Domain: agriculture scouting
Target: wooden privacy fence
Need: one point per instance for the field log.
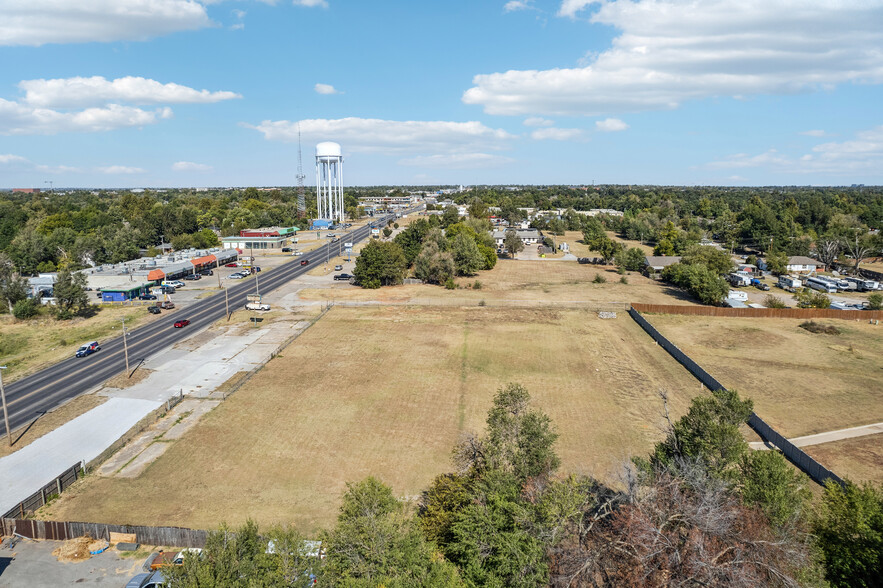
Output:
(45, 493)
(798, 313)
(795, 455)
(61, 531)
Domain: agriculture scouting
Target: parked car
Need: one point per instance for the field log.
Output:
(181, 323)
(298, 253)
(153, 309)
(759, 285)
(171, 558)
(286, 250)
(167, 289)
(233, 264)
(147, 297)
(88, 349)
(207, 272)
(340, 277)
(305, 262)
(192, 277)
(338, 268)
(154, 579)
(236, 276)
(167, 304)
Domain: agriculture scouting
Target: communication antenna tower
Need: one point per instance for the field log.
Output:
(301, 199)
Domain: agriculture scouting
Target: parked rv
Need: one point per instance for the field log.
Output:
(739, 279)
(821, 284)
(789, 283)
(737, 295)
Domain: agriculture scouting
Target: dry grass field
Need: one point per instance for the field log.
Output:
(513, 281)
(387, 392)
(27, 346)
(860, 459)
(801, 383)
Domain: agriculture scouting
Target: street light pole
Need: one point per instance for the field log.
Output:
(5, 413)
(125, 346)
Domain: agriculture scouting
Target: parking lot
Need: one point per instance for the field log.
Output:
(31, 563)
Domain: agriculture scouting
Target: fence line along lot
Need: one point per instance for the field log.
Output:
(391, 393)
(802, 383)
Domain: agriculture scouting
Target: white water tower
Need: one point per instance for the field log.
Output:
(329, 181)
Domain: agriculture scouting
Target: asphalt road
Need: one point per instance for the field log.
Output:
(31, 396)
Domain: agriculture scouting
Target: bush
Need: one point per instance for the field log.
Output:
(395, 225)
(482, 303)
(599, 279)
(623, 280)
(450, 284)
(476, 285)
(875, 301)
(772, 301)
(807, 298)
(818, 328)
(25, 309)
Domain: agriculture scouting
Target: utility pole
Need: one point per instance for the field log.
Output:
(254, 271)
(5, 413)
(125, 346)
(227, 303)
(219, 276)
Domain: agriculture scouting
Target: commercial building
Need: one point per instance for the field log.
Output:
(264, 238)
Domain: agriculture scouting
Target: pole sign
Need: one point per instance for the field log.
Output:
(348, 245)
(253, 297)
(375, 231)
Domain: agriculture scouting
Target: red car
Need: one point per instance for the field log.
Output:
(305, 262)
(231, 265)
(181, 323)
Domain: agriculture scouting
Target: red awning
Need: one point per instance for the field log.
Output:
(156, 274)
(204, 260)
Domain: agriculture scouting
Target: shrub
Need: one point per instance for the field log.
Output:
(819, 328)
(482, 303)
(623, 280)
(875, 301)
(599, 279)
(772, 301)
(25, 309)
(476, 285)
(395, 225)
(807, 298)
(450, 284)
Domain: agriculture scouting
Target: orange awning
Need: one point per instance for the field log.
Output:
(204, 260)
(156, 274)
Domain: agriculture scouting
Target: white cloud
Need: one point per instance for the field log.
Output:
(190, 166)
(37, 22)
(814, 133)
(121, 169)
(17, 162)
(610, 125)
(513, 5)
(390, 136)
(311, 3)
(326, 89)
(861, 155)
(557, 134)
(538, 121)
(19, 119)
(569, 8)
(670, 51)
(74, 92)
(10, 158)
(458, 161)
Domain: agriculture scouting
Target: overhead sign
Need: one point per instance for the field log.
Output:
(253, 297)
(348, 245)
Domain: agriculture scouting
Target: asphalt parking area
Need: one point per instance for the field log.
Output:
(31, 564)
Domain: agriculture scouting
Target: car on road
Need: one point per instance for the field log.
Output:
(233, 264)
(341, 277)
(181, 323)
(305, 262)
(88, 349)
(338, 268)
(192, 277)
(153, 309)
(154, 579)
(147, 297)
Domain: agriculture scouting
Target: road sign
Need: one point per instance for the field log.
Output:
(253, 297)
(375, 231)
(348, 245)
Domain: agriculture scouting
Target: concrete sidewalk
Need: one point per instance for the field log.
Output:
(22, 473)
(820, 438)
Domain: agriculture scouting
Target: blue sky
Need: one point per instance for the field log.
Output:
(152, 93)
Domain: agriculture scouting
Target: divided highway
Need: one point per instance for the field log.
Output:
(46, 389)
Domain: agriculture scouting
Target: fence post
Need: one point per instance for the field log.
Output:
(58, 484)
(43, 496)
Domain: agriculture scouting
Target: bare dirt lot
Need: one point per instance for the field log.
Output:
(387, 391)
(801, 383)
(859, 459)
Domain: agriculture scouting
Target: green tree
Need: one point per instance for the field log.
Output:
(380, 264)
(512, 243)
(70, 294)
(433, 265)
(875, 301)
(777, 262)
(25, 309)
(13, 287)
(808, 298)
(467, 257)
(664, 247)
(770, 483)
(708, 432)
(703, 283)
(716, 260)
(849, 528)
(375, 543)
(450, 216)
(632, 259)
(478, 209)
(411, 239)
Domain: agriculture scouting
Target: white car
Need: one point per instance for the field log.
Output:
(298, 253)
(236, 276)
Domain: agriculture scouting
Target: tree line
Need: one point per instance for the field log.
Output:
(701, 509)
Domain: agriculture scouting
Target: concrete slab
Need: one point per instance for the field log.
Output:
(196, 411)
(134, 468)
(82, 439)
(819, 438)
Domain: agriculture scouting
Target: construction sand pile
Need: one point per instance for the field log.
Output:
(78, 549)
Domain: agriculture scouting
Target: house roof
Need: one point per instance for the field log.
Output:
(803, 260)
(660, 261)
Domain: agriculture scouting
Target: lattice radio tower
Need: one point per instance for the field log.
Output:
(301, 199)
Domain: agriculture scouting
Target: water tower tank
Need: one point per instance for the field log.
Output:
(328, 149)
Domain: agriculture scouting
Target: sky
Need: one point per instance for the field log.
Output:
(192, 93)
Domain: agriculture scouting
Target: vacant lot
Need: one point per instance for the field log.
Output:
(859, 459)
(388, 391)
(513, 281)
(27, 346)
(801, 383)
